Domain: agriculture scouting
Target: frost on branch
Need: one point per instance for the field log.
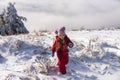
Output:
(43, 64)
(11, 23)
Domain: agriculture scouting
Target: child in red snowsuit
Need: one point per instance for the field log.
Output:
(60, 46)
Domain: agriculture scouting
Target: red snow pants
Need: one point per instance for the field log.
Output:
(63, 59)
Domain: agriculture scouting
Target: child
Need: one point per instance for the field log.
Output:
(60, 46)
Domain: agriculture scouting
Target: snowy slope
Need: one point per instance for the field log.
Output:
(95, 56)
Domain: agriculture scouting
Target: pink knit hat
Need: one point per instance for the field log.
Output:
(60, 31)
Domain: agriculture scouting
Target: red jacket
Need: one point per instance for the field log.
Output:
(64, 45)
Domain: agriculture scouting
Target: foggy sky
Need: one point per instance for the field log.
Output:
(51, 14)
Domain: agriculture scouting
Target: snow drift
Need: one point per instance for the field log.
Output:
(95, 56)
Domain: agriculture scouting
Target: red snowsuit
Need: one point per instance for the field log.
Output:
(62, 52)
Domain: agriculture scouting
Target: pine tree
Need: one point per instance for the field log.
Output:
(11, 23)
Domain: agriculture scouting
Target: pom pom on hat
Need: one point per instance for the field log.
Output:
(56, 32)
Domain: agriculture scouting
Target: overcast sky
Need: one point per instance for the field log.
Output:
(51, 14)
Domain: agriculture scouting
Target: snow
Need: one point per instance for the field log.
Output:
(95, 56)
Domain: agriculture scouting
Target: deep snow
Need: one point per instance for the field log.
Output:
(95, 56)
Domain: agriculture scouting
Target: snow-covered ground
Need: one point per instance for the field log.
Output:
(95, 56)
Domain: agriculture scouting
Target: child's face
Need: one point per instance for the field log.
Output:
(62, 36)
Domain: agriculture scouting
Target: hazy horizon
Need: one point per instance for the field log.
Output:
(49, 15)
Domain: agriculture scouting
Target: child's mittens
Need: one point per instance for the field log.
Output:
(70, 45)
(52, 54)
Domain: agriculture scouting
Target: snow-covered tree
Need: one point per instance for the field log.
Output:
(2, 26)
(11, 23)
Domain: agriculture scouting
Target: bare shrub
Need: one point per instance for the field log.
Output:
(43, 64)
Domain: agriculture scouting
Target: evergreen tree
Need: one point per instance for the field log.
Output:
(11, 23)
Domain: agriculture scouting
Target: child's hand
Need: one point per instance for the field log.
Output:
(70, 45)
(52, 54)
